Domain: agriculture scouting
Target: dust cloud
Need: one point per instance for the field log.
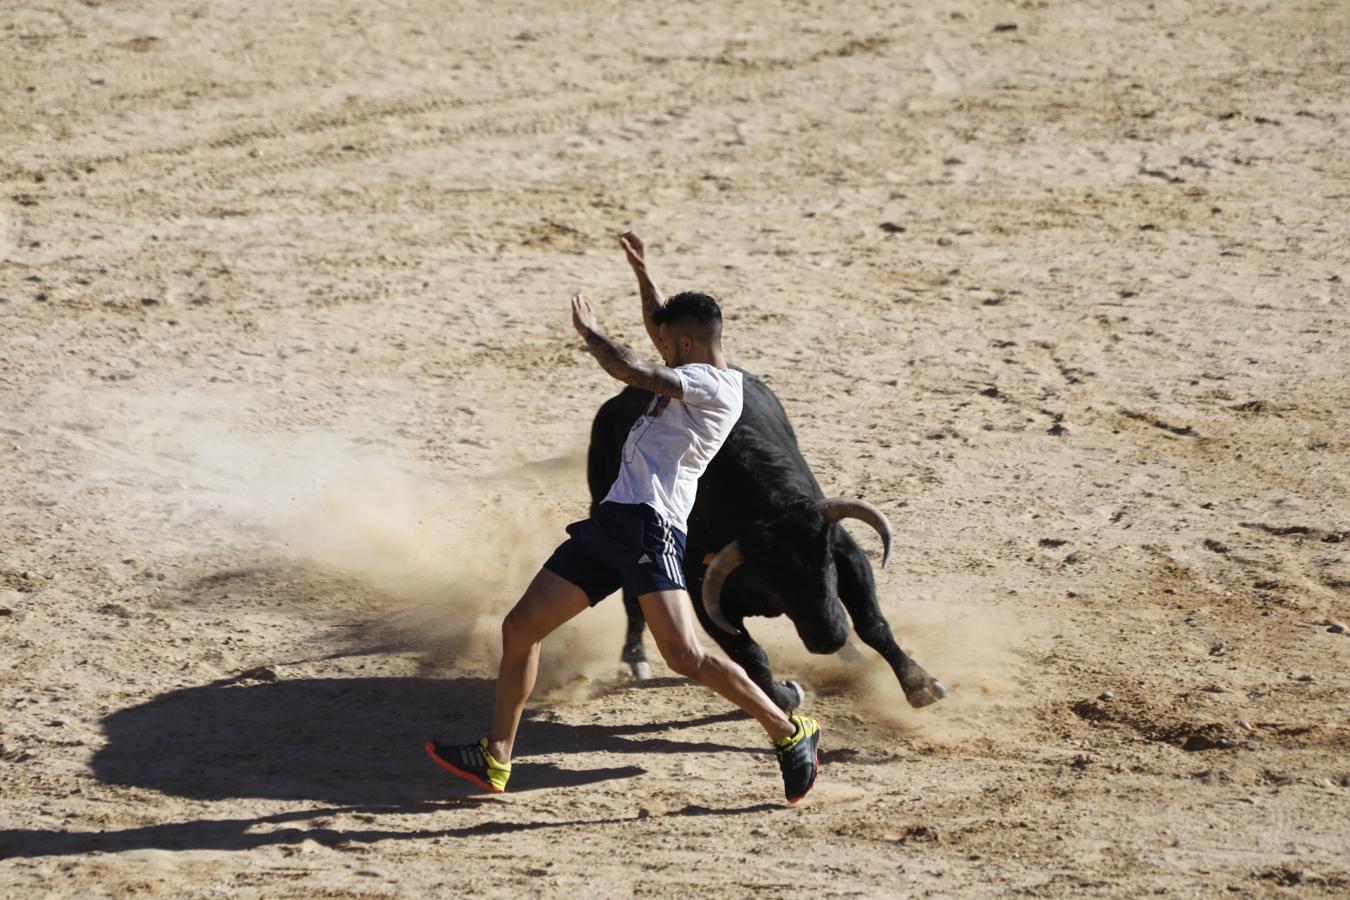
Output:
(441, 556)
(971, 649)
(449, 558)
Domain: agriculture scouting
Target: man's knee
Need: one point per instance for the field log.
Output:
(517, 628)
(683, 659)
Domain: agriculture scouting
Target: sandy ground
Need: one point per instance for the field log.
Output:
(290, 409)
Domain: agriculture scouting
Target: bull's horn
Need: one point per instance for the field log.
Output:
(723, 564)
(846, 508)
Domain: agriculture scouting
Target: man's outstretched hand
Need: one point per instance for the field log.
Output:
(652, 302)
(618, 360)
(632, 248)
(583, 317)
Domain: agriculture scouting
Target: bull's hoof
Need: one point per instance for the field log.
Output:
(794, 695)
(642, 670)
(926, 694)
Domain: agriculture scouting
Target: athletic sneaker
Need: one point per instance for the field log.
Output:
(473, 762)
(799, 757)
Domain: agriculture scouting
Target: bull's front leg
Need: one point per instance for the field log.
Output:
(858, 593)
(634, 654)
(746, 652)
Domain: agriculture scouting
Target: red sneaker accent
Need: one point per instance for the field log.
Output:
(451, 768)
(794, 800)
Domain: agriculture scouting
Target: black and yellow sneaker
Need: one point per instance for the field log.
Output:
(799, 757)
(472, 762)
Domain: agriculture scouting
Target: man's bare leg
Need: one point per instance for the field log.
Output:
(548, 602)
(670, 616)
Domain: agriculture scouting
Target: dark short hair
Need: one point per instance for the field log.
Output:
(692, 311)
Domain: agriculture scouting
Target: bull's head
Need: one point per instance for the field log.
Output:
(792, 553)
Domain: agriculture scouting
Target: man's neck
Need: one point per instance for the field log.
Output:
(712, 357)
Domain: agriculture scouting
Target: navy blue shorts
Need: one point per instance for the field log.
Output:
(622, 546)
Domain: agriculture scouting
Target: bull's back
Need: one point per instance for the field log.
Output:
(756, 470)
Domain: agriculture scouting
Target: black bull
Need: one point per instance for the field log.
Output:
(771, 536)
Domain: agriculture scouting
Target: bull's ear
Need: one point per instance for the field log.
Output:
(708, 558)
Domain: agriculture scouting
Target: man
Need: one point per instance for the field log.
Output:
(635, 538)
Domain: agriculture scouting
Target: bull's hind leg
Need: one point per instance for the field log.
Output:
(858, 593)
(634, 654)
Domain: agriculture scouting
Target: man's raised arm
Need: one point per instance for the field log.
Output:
(618, 360)
(651, 297)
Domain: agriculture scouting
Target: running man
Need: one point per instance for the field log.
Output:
(635, 538)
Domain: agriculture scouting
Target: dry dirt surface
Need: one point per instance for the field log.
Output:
(290, 410)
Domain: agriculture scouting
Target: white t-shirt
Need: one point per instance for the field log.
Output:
(674, 440)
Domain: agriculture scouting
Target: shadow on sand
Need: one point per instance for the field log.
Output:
(242, 834)
(354, 744)
(343, 741)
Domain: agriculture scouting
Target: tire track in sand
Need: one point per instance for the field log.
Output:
(354, 136)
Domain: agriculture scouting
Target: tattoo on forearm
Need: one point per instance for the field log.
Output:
(647, 290)
(657, 379)
(623, 364)
(651, 297)
(615, 359)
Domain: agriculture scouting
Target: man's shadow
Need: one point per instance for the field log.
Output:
(354, 744)
(345, 741)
